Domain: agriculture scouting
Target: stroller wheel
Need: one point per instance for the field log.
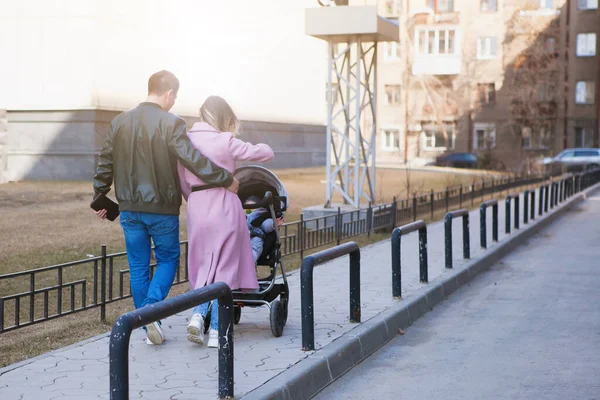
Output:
(277, 318)
(237, 314)
(284, 305)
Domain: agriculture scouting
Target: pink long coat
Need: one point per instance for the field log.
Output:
(219, 243)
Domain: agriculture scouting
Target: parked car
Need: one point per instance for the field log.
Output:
(574, 160)
(457, 160)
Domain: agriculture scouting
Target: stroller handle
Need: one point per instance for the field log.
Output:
(266, 201)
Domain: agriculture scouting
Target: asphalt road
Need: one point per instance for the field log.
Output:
(529, 328)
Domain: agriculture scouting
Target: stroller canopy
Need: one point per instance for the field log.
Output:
(256, 181)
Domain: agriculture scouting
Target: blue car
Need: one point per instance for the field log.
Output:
(457, 160)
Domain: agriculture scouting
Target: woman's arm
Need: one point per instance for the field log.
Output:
(243, 151)
(186, 189)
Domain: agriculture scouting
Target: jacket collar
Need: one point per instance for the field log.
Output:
(149, 103)
(203, 127)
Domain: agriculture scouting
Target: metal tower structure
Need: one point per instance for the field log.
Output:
(352, 34)
(351, 121)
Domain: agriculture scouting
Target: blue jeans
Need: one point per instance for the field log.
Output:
(139, 229)
(202, 309)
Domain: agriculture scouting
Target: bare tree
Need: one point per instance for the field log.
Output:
(531, 82)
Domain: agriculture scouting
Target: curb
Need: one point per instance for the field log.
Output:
(311, 375)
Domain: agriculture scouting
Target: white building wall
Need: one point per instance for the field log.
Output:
(80, 54)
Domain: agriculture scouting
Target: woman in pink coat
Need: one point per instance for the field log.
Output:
(219, 247)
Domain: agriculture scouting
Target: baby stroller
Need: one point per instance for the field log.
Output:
(259, 182)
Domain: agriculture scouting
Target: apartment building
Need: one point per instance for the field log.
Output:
(511, 80)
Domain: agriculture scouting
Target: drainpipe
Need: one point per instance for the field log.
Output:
(406, 51)
(3, 145)
(567, 92)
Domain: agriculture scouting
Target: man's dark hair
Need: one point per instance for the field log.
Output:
(161, 82)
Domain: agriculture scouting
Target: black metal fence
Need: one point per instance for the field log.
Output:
(38, 295)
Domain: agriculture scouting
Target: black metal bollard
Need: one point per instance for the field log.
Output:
(532, 211)
(541, 201)
(448, 234)
(526, 207)
(507, 212)
(126, 323)
(306, 289)
(483, 222)
(397, 252)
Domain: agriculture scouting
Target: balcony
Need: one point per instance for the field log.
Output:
(436, 51)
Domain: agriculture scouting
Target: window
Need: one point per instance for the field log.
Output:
(538, 7)
(391, 51)
(532, 140)
(567, 154)
(435, 41)
(450, 35)
(391, 139)
(489, 5)
(586, 44)
(431, 42)
(445, 5)
(486, 93)
(434, 139)
(392, 7)
(551, 45)
(392, 94)
(484, 136)
(441, 5)
(526, 137)
(486, 47)
(545, 139)
(585, 91)
(580, 137)
(545, 91)
(586, 153)
(588, 4)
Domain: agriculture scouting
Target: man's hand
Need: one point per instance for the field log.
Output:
(280, 221)
(101, 214)
(235, 185)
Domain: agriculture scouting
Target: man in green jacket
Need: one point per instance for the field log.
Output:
(140, 155)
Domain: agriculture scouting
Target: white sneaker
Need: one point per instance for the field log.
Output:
(213, 338)
(155, 334)
(195, 329)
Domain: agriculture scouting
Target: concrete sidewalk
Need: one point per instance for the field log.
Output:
(181, 370)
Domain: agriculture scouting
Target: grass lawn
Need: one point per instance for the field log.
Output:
(46, 223)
